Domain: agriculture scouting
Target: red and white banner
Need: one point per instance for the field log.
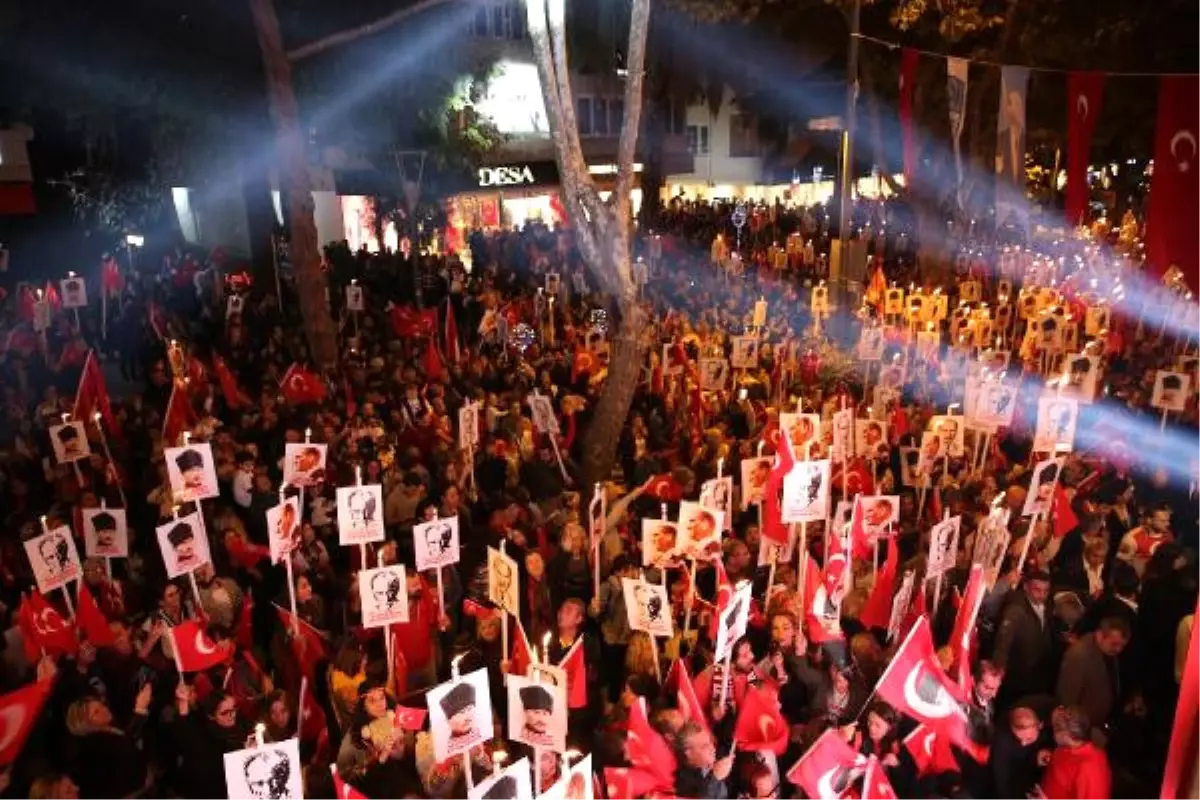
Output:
(827, 770)
(19, 710)
(1085, 93)
(194, 651)
(914, 683)
(1175, 185)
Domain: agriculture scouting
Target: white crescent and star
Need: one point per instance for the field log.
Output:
(1190, 138)
(201, 647)
(47, 621)
(941, 709)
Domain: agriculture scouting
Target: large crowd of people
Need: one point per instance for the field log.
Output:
(1062, 652)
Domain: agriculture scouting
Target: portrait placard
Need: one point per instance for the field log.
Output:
(70, 442)
(648, 607)
(54, 559)
(537, 712)
(191, 473)
(435, 544)
(360, 514)
(383, 593)
(183, 544)
(460, 714)
(304, 464)
(272, 771)
(105, 533)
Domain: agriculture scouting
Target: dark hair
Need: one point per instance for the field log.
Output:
(1116, 623)
(1124, 578)
(348, 658)
(1037, 575)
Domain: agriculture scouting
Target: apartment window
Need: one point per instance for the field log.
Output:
(743, 136)
(697, 140)
(583, 115)
(501, 19)
(616, 115)
(600, 116)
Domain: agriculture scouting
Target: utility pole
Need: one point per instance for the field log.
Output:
(839, 267)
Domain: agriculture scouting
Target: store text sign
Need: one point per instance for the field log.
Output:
(506, 176)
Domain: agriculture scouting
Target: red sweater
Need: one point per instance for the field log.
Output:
(415, 637)
(1078, 772)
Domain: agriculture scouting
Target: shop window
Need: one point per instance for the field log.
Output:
(697, 140)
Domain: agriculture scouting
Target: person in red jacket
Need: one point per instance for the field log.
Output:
(1077, 769)
(415, 638)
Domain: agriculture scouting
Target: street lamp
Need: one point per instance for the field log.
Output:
(135, 239)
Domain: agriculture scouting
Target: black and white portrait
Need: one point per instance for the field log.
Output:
(647, 606)
(70, 442)
(270, 772)
(105, 533)
(74, 292)
(54, 559)
(435, 543)
(806, 492)
(383, 595)
(502, 581)
(537, 712)
(460, 714)
(183, 545)
(360, 514)
(191, 473)
(512, 783)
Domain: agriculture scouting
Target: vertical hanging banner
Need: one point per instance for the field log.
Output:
(1174, 187)
(1085, 93)
(908, 82)
(956, 104)
(1011, 208)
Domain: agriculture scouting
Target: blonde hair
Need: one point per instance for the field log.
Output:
(639, 657)
(45, 787)
(79, 721)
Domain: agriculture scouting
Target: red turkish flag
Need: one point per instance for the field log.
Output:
(91, 619)
(520, 659)
(914, 683)
(964, 628)
(300, 387)
(432, 364)
(680, 684)
(92, 396)
(194, 651)
(760, 725)
(858, 478)
(180, 417)
(625, 782)
(665, 488)
(1180, 769)
(1085, 93)
(878, 610)
(234, 398)
(724, 595)
(244, 633)
(930, 751)
(44, 629)
(343, 790)
(308, 646)
(576, 668)
(110, 276)
(411, 719)
(827, 769)
(773, 527)
(583, 363)
(407, 322)
(646, 749)
(1065, 519)
(820, 617)
(312, 718)
(876, 785)
(19, 710)
(1175, 185)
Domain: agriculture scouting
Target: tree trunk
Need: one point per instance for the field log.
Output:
(655, 131)
(304, 248)
(604, 431)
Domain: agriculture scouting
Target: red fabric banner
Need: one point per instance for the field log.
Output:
(908, 82)
(1085, 94)
(1180, 773)
(1175, 185)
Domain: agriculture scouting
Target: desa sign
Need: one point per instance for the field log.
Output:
(505, 176)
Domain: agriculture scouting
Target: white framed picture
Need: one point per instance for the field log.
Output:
(648, 607)
(871, 439)
(503, 582)
(1041, 486)
(1170, 390)
(74, 292)
(354, 297)
(360, 514)
(271, 771)
(304, 464)
(756, 472)
(537, 712)
(700, 531)
(383, 593)
(70, 443)
(283, 528)
(1055, 424)
(468, 426)
(943, 546)
(183, 544)
(460, 714)
(717, 494)
(105, 533)
(234, 305)
(806, 492)
(744, 353)
(541, 408)
(435, 544)
(511, 784)
(732, 622)
(800, 431)
(870, 343)
(842, 435)
(191, 473)
(714, 374)
(54, 559)
(660, 538)
(574, 784)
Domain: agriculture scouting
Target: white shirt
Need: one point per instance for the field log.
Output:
(1095, 580)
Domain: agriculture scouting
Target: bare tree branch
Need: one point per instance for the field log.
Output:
(639, 26)
(369, 29)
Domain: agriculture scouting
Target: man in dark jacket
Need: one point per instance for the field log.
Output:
(1016, 755)
(1024, 646)
(700, 772)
